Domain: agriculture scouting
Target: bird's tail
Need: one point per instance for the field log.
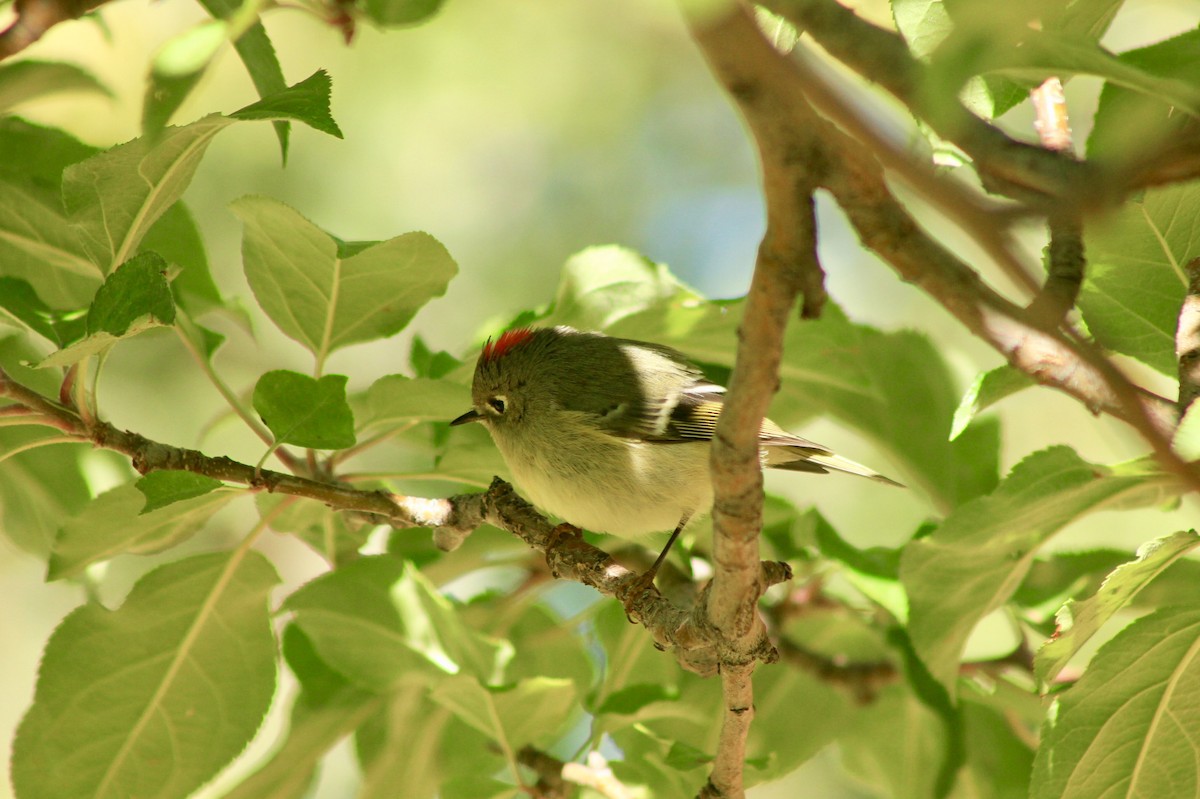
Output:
(809, 461)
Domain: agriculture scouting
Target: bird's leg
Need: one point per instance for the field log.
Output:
(646, 579)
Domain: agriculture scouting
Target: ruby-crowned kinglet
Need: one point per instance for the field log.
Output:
(613, 435)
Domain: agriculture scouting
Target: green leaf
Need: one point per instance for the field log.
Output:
(39, 245)
(1135, 282)
(989, 388)
(326, 710)
(1128, 123)
(1085, 18)
(544, 646)
(974, 562)
(999, 760)
(30, 79)
(152, 699)
(326, 299)
(306, 412)
(392, 13)
(306, 101)
(533, 711)
(926, 25)
(45, 152)
(632, 698)
(394, 399)
(390, 755)
(895, 746)
(19, 299)
(1125, 728)
(134, 299)
(115, 197)
(258, 54)
(113, 524)
(600, 286)
(1079, 621)
(776, 742)
(177, 68)
(379, 623)
(1045, 53)
(136, 290)
(427, 363)
(164, 488)
(39, 488)
(176, 238)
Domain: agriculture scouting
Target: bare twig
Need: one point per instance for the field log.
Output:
(1187, 340)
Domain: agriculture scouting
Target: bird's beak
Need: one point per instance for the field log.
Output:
(470, 416)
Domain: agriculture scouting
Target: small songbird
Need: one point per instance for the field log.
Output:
(613, 435)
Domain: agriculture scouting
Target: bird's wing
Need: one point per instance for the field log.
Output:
(694, 418)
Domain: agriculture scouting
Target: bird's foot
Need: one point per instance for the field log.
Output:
(643, 583)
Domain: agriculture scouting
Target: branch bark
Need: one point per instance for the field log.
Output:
(786, 267)
(35, 17)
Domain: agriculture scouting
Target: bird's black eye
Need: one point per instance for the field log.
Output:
(497, 404)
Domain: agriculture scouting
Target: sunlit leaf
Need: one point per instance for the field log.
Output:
(977, 558)
(39, 245)
(113, 524)
(323, 296)
(176, 682)
(532, 710)
(989, 388)
(1079, 621)
(1125, 728)
(1135, 281)
(306, 101)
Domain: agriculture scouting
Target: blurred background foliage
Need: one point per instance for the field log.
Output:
(518, 132)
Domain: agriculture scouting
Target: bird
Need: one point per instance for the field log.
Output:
(613, 435)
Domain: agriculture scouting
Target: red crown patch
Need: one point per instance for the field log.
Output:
(508, 339)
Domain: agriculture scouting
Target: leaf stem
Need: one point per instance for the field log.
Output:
(186, 330)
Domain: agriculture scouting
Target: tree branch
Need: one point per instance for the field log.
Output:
(35, 17)
(1008, 166)
(698, 647)
(987, 222)
(1059, 359)
(786, 266)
